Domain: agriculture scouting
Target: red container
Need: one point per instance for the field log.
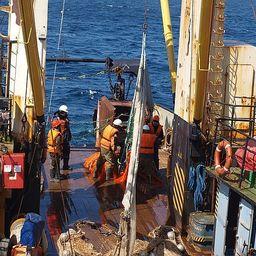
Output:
(13, 170)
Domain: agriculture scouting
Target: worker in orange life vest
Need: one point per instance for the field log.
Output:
(108, 146)
(157, 129)
(62, 115)
(54, 143)
(146, 158)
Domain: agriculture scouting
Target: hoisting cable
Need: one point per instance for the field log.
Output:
(145, 24)
(56, 62)
(48, 114)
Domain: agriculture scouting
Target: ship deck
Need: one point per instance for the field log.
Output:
(232, 180)
(79, 197)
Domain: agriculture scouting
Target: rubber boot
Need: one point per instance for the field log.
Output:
(108, 174)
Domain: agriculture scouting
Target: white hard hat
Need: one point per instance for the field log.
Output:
(118, 122)
(146, 128)
(63, 108)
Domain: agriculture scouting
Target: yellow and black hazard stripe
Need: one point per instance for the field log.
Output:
(217, 200)
(178, 189)
(197, 239)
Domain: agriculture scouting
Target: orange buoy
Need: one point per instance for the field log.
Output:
(221, 170)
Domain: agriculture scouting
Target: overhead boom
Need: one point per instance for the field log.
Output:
(34, 67)
(169, 41)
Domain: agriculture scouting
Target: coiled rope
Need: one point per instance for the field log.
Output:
(196, 184)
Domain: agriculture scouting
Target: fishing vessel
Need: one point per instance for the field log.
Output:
(205, 203)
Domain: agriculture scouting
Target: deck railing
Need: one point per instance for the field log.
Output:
(239, 136)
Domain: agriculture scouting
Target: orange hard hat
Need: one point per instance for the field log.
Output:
(156, 118)
(56, 123)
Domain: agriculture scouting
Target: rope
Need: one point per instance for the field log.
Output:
(196, 183)
(192, 178)
(56, 62)
(145, 25)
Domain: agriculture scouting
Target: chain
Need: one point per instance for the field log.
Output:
(145, 24)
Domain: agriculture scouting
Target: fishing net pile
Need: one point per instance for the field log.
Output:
(163, 240)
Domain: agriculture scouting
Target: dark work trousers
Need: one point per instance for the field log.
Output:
(66, 153)
(55, 166)
(108, 158)
(156, 157)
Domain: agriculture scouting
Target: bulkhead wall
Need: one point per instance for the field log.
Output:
(238, 88)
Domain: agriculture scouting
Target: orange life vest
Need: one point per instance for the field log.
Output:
(108, 133)
(51, 141)
(147, 143)
(152, 129)
(63, 125)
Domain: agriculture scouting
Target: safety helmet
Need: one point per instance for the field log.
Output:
(146, 128)
(63, 108)
(118, 122)
(156, 118)
(55, 123)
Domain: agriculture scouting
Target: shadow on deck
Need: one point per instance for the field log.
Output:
(82, 199)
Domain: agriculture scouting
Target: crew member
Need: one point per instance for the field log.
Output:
(119, 88)
(120, 142)
(54, 147)
(157, 129)
(107, 150)
(146, 158)
(62, 115)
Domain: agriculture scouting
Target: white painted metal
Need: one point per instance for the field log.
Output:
(221, 219)
(254, 242)
(187, 56)
(244, 228)
(166, 118)
(20, 88)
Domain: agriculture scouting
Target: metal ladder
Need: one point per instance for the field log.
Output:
(216, 75)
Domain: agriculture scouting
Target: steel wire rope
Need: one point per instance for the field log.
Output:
(49, 110)
(56, 62)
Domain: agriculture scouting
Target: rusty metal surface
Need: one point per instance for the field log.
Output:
(105, 116)
(121, 103)
(83, 199)
(107, 111)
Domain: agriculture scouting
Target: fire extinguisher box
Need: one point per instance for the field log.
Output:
(13, 170)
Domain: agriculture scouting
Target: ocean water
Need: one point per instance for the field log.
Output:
(111, 28)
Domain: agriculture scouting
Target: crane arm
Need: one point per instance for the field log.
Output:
(31, 48)
(169, 41)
